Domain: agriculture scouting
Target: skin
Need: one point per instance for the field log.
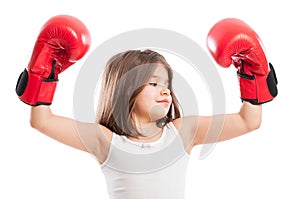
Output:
(152, 103)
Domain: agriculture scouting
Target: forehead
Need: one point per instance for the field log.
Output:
(161, 72)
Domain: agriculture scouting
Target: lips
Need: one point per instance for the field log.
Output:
(163, 101)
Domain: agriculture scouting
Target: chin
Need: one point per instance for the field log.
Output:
(158, 117)
(158, 113)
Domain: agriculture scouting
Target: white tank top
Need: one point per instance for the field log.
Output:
(154, 170)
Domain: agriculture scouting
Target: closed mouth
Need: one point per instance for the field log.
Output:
(163, 101)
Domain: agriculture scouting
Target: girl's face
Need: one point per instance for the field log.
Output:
(154, 101)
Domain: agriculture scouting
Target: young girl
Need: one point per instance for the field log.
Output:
(140, 139)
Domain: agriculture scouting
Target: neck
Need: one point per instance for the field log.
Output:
(149, 132)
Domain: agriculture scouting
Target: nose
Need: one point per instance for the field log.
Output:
(165, 91)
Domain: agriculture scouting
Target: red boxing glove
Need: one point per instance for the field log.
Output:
(62, 41)
(231, 41)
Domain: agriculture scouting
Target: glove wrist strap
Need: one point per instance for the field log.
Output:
(34, 90)
(258, 89)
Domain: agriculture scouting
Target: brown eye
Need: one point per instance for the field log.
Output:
(153, 84)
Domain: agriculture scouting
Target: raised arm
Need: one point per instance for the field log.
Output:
(62, 129)
(233, 42)
(245, 121)
(62, 41)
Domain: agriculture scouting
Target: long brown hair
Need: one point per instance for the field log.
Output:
(123, 79)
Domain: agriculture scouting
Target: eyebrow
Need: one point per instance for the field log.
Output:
(159, 77)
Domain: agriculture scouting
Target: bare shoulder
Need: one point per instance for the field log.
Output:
(186, 127)
(106, 138)
(94, 130)
(177, 123)
(107, 133)
(187, 124)
(96, 138)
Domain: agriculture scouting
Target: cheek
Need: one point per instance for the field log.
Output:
(145, 99)
(148, 93)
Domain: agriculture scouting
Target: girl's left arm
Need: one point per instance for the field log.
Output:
(217, 128)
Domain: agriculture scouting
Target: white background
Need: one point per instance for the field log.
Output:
(262, 164)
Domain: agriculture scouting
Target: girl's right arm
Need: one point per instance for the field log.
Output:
(59, 128)
(62, 41)
(90, 137)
